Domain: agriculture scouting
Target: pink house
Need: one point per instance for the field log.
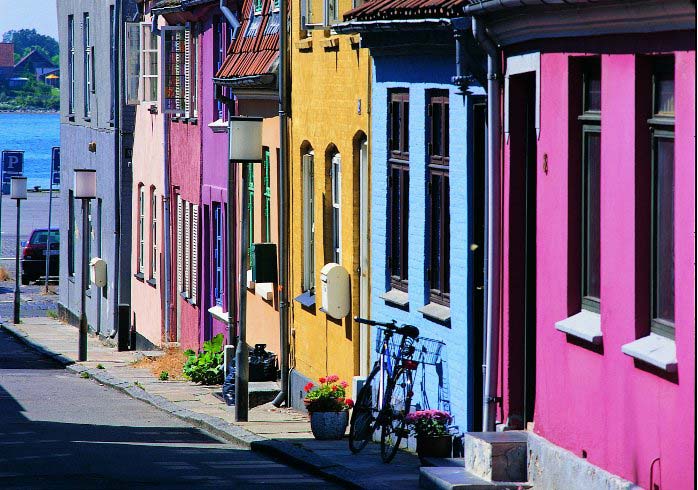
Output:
(597, 318)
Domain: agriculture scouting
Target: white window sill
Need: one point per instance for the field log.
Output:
(585, 325)
(396, 297)
(654, 349)
(250, 282)
(219, 126)
(435, 311)
(218, 313)
(264, 290)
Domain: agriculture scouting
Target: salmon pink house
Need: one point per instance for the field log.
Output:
(593, 342)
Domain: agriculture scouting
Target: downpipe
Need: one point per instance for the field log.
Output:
(492, 225)
(230, 17)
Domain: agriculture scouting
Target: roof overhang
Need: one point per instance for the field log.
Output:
(265, 80)
(387, 25)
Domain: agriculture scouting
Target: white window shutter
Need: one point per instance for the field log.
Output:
(187, 72)
(133, 56)
(307, 196)
(195, 254)
(187, 248)
(180, 244)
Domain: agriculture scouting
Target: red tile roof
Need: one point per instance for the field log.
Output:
(256, 48)
(406, 9)
(7, 55)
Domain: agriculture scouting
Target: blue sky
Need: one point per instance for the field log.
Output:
(34, 14)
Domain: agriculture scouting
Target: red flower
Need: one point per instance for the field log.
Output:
(335, 387)
(309, 386)
(349, 402)
(322, 380)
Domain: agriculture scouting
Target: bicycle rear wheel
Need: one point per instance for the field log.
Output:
(398, 399)
(362, 425)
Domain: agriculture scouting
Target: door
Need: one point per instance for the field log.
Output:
(522, 250)
(364, 256)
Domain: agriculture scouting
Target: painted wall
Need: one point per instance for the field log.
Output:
(448, 384)
(325, 111)
(599, 400)
(148, 301)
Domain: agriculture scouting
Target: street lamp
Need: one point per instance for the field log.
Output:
(244, 147)
(85, 189)
(18, 192)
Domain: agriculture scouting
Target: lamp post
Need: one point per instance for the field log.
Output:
(85, 189)
(244, 148)
(18, 192)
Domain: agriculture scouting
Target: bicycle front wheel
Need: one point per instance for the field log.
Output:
(362, 425)
(398, 398)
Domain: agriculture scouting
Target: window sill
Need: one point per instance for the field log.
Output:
(87, 119)
(218, 126)
(152, 282)
(306, 299)
(654, 349)
(71, 117)
(396, 297)
(585, 325)
(71, 278)
(250, 282)
(436, 312)
(218, 313)
(264, 290)
(139, 276)
(304, 44)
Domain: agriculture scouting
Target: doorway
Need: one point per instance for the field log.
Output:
(522, 250)
(364, 291)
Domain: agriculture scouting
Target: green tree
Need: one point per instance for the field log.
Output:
(27, 39)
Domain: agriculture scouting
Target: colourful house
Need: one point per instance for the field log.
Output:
(427, 154)
(329, 172)
(598, 238)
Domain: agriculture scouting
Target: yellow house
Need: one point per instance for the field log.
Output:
(330, 175)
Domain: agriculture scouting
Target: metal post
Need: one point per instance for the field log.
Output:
(241, 353)
(230, 258)
(48, 235)
(17, 271)
(82, 347)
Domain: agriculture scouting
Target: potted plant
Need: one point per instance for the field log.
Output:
(431, 429)
(328, 407)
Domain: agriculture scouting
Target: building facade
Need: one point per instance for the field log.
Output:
(96, 133)
(329, 172)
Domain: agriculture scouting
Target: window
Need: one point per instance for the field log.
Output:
(219, 49)
(193, 72)
(112, 74)
(276, 5)
(141, 228)
(153, 234)
(71, 64)
(180, 244)
(148, 65)
(336, 177)
(218, 253)
(258, 6)
(250, 210)
(71, 234)
(132, 59)
(439, 235)
(308, 223)
(89, 235)
(591, 184)
(398, 187)
(88, 74)
(662, 219)
(331, 12)
(306, 14)
(175, 54)
(266, 197)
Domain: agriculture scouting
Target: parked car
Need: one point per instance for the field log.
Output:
(34, 255)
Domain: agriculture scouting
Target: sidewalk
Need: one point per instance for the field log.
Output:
(280, 432)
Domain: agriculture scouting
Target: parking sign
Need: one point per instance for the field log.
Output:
(12, 164)
(56, 165)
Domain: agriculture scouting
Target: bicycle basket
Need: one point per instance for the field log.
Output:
(426, 350)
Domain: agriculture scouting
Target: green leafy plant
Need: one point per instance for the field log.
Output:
(137, 384)
(85, 375)
(428, 423)
(329, 396)
(100, 366)
(164, 376)
(207, 366)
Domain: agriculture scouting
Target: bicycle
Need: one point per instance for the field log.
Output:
(386, 397)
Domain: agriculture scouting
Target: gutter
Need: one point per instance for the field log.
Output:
(490, 6)
(263, 80)
(492, 227)
(357, 26)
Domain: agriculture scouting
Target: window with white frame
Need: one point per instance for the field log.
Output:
(187, 249)
(88, 65)
(153, 234)
(330, 14)
(218, 252)
(133, 62)
(148, 73)
(71, 64)
(179, 71)
(308, 223)
(336, 178)
(141, 228)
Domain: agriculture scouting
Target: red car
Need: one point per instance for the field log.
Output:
(34, 255)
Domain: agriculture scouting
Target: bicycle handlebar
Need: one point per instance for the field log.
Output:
(408, 330)
(374, 323)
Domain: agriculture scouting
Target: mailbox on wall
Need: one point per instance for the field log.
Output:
(98, 272)
(263, 262)
(336, 296)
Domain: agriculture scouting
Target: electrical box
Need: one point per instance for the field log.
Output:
(98, 272)
(336, 296)
(263, 262)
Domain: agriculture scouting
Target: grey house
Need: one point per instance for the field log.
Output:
(96, 133)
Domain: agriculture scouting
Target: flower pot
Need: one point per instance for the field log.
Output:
(434, 446)
(329, 425)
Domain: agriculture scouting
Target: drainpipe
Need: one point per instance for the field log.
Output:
(492, 225)
(283, 208)
(230, 17)
(118, 161)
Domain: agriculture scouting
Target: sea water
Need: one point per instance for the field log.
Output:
(36, 134)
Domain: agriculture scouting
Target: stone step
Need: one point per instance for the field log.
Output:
(453, 478)
(497, 456)
(259, 392)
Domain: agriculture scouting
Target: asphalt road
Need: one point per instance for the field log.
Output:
(60, 431)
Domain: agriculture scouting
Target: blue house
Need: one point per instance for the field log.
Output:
(427, 187)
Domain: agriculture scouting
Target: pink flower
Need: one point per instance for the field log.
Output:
(322, 380)
(333, 378)
(344, 384)
(309, 386)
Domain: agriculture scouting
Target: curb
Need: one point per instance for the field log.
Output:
(288, 452)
